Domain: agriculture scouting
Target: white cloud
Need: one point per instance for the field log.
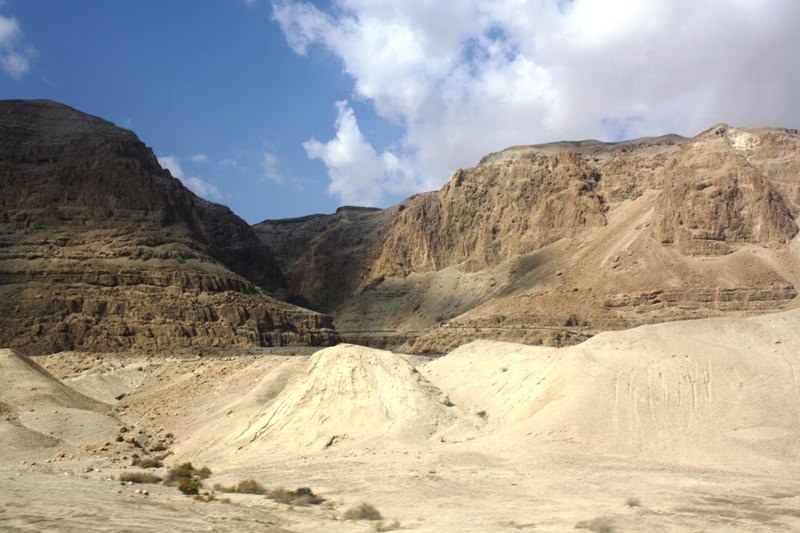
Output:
(269, 167)
(15, 55)
(358, 174)
(199, 186)
(466, 77)
(198, 158)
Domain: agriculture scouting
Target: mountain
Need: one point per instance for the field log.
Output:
(551, 244)
(103, 250)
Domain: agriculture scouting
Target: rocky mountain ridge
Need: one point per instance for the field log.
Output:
(554, 243)
(102, 250)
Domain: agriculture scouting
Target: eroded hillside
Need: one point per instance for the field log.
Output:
(102, 250)
(554, 243)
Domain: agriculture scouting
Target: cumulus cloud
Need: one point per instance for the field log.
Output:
(15, 55)
(466, 77)
(358, 174)
(199, 186)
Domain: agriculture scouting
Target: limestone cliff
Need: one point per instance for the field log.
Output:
(102, 250)
(554, 243)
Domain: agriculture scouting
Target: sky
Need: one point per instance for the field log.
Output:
(284, 108)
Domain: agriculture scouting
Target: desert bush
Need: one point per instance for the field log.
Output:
(139, 477)
(147, 462)
(250, 486)
(302, 496)
(186, 471)
(633, 502)
(205, 497)
(364, 511)
(189, 486)
(223, 488)
(601, 524)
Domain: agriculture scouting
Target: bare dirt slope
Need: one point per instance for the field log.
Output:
(39, 411)
(551, 244)
(687, 426)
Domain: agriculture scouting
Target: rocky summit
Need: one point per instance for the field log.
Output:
(103, 250)
(551, 244)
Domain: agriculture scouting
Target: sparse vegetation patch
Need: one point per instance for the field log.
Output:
(364, 511)
(186, 471)
(250, 486)
(139, 477)
(189, 486)
(147, 462)
(302, 496)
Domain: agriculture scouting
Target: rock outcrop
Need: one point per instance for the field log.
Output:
(102, 250)
(553, 243)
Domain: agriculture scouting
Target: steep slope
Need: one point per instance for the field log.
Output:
(40, 411)
(326, 257)
(236, 245)
(102, 250)
(554, 243)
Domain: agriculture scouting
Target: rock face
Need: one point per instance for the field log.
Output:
(325, 258)
(554, 243)
(102, 250)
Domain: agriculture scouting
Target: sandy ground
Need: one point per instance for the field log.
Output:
(682, 427)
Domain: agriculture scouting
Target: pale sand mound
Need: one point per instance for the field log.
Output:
(343, 395)
(108, 385)
(39, 411)
(719, 390)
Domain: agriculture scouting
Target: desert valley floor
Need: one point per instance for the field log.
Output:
(680, 427)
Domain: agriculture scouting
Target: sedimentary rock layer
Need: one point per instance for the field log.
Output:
(102, 250)
(553, 243)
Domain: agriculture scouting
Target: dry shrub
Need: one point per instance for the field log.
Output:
(222, 488)
(186, 471)
(250, 486)
(189, 486)
(139, 477)
(301, 497)
(364, 511)
(147, 462)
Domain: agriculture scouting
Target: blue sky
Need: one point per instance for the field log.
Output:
(286, 108)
